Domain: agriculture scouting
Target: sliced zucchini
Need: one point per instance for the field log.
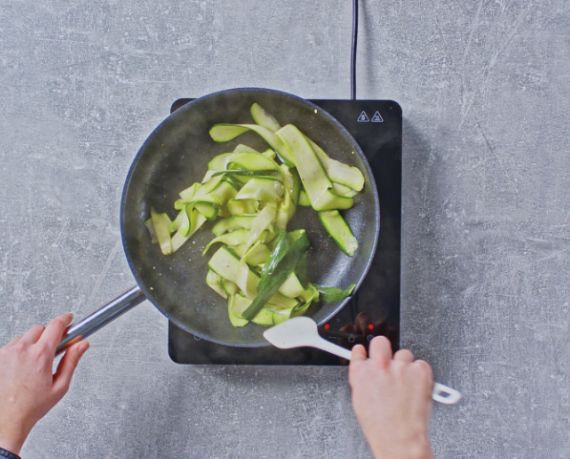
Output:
(227, 265)
(178, 221)
(218, 162)
(233, 223)
(239, 177)
(304, 199)
(188, 194)
(315, 180)
(261, 117)
(247, 206)
(251, 162)
(184, 220)
(338, 229)
(309, 296)
(264, 318)
(195, 221)
(280, 308)
(222, 193)
(261, 189)
(280, 301)
(339, 172)
(234, 238)
(291, 182)
(262, 222)
(207, 209)
(241, 148)
(343, 190)
(292, 287)
(161, 225)
(229, 287)
(269, 153)
(257, 255)
(281, 316)
(225, 132)
(284, 212)
(236, 305)
(334, 294)
(214, 281)
(277, 310)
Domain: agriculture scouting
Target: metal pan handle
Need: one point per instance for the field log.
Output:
(101, 317)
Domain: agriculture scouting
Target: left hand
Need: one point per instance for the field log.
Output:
(28, 387)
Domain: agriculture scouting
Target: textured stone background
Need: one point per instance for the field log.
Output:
(485, 89)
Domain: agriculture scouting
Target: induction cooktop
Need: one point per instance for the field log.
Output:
(375, 308)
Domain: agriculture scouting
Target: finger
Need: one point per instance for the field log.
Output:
(66, 367)
(404, 355)
(381, 350)
(54, 331)
(425, 375)
(33, 334)
(424, 368)
(358, 352)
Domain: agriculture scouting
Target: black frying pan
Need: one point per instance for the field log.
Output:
(173, 157)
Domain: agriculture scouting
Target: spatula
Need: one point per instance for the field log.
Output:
(302, 332)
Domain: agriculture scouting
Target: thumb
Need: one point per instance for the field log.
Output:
(67, 366)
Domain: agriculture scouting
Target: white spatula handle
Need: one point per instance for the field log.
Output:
(441, 393)
(339, 351)
(445, 394)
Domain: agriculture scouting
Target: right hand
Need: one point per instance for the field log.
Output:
(391, 397)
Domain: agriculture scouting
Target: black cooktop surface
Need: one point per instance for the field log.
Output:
(375, 308)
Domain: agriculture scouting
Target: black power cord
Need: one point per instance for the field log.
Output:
(353, 49)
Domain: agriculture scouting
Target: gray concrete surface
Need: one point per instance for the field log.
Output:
(485, 89)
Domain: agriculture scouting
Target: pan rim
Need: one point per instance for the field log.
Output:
(188, 106)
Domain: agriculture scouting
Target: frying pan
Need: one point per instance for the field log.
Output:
(174, 156)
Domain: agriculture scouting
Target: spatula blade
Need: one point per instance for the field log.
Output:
(296, 332)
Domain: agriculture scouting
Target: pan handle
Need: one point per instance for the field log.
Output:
(101, 317)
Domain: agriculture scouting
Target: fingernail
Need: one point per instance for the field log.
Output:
(83, 346)
(68, 317)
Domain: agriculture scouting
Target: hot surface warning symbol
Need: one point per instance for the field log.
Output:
(363, 117)
(377, 118)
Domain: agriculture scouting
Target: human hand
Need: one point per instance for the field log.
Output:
(391, 397)
(28, 387)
